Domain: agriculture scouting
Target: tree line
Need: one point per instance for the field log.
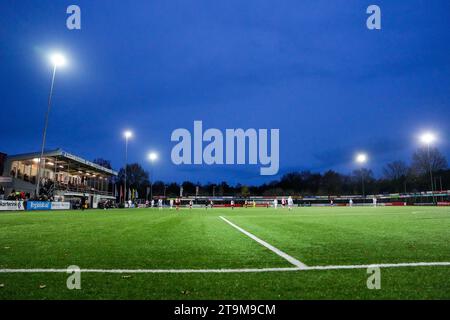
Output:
(397, 177)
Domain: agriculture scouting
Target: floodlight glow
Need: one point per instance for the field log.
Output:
(128, 134)
(427, 138)
(361, 158)
(152, 156)
(58, 60)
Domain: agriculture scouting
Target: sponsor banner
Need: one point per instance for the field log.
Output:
(443, 204)
(38, 205)
(11, 205)
(60, 206)
(395, 204)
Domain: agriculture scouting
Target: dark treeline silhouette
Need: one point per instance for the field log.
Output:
(398, 177)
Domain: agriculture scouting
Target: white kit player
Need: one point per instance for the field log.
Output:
(290, 203)
(160, 204)
(350, 203)
(152, 203)
(171, 204)
(232, 204)
(190, 204)
(275, 203)
(374, 200)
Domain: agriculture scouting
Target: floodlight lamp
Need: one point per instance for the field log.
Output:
(128, 134)
(427, 138)
(152, 156)
(361, 158)
(58, 60)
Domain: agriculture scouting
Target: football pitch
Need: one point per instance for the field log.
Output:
(246, 253)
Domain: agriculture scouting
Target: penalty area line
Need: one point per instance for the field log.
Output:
(277, 251)
(248, 270)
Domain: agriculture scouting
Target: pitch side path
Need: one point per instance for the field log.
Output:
(253, 253)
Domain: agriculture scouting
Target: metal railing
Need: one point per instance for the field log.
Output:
(80, 189)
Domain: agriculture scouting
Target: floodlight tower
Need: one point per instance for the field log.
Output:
(361, 158)
(58, 60)
(152, 157)
(127, 134)
(428, 138)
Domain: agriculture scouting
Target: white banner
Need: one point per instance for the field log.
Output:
(60, 206)
(11, 205)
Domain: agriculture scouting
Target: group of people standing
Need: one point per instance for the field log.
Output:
(172, 203)
(290, 203)
(350, 202)
(176, 203)
(15, 196)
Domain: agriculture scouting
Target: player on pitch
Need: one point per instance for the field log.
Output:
(160, 204)
(290, 203)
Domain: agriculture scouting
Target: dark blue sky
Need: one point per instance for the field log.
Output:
(310, 68)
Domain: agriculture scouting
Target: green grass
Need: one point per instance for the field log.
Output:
(199, 239)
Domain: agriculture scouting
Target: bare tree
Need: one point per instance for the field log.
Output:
(395, 170)
(137, 177)
(422, 160)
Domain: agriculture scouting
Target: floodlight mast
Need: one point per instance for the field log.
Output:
(127, 134)
(361, 158)
(152, 156)
(428, 138)
(58, 60)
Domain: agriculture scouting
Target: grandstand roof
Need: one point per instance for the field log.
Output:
(67, 158)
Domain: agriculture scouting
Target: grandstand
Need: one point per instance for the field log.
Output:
(65, 177)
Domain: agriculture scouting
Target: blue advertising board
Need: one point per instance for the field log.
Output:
(38, 205)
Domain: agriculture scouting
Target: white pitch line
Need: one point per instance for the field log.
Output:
(148, 270)
(248, 270)
(382, 265)
(277, 251)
